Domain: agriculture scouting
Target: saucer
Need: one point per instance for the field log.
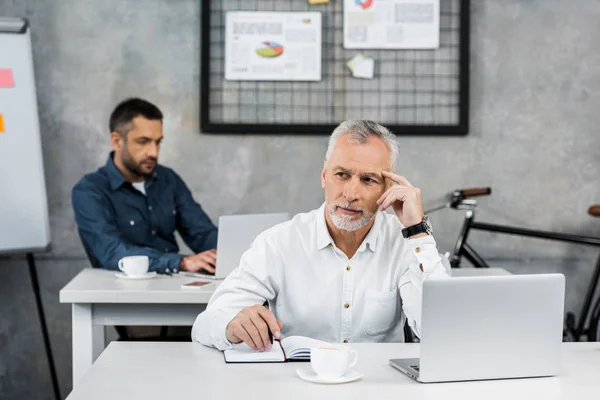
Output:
(311, 376)
(148, 275)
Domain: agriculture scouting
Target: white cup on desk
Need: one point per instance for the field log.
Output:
(134, 265)
(331, 361)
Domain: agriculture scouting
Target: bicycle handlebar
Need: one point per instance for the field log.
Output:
(456, 198)
(473, 192)
(459, 195)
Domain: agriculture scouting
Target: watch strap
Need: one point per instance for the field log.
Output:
(421, 227)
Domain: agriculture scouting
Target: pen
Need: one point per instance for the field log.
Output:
(266, 305)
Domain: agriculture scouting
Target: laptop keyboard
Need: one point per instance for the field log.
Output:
(415, 367)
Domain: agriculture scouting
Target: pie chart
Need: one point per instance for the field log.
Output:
(270, 50)
(364, 4)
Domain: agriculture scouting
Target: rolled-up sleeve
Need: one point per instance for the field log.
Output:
(422, 261)
(253, 282)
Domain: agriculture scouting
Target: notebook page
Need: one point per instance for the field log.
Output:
(299, 346)
(244, 353)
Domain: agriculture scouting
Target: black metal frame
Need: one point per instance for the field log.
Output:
(206, 126)
(462, 248)
(40, 311)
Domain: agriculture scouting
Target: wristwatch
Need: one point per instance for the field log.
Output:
(422, 227)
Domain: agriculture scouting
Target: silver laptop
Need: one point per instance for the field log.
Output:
(236, 234)
(491, 327)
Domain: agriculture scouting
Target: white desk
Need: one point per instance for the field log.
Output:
(159, 371)
(99, 299)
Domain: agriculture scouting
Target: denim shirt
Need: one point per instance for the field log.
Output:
(116, 220)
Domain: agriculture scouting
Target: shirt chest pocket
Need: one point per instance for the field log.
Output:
(381, 311)
(133, 228)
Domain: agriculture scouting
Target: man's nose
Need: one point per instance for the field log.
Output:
(153, 150)
(351, 190)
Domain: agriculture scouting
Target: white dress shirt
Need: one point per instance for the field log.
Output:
(316, 291)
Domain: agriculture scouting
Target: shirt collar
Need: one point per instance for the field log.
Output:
(324, 239)
(115, 177)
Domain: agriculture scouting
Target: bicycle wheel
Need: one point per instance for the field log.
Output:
(594, 330)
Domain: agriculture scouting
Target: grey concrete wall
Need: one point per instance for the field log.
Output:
(535, 102)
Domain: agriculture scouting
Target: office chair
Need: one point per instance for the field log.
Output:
(409, 336)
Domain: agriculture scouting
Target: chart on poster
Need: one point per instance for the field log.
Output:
(273, 46)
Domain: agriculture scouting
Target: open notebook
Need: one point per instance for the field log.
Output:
(296, 348)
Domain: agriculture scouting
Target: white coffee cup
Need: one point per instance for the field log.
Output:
(332, 361)
(134, 265)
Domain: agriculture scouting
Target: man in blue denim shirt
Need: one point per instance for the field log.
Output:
(133, 205)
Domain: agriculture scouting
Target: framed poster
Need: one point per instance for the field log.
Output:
(391, 24)
(412, 91)
(273, 46)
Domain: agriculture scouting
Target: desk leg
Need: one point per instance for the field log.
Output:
(84, 346)
(98, 340)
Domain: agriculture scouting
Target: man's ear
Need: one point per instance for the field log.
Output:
(116, 140)
(323, 173)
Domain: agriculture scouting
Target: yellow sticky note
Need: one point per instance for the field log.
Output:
(318, 1)
(1, 124)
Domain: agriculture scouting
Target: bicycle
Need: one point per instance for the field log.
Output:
(463, 200)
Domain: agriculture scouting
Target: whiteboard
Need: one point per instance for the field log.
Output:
(24, 222)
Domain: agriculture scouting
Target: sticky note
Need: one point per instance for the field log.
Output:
(354, 61)
(361, 66)
(365, 69)
(6, 79)
(1, 124)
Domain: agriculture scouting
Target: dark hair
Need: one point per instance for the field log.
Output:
(127, 110)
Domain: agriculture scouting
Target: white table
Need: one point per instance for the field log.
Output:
(99, 299)
(159, 371)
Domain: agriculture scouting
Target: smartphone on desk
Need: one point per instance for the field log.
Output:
(196, 285)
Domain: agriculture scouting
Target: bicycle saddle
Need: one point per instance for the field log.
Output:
(594, 210)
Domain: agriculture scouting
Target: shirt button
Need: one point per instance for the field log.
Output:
(346, 305)
(346, 341)
(348, 268)
(418, 249)
(131, 222)
(166, 250)
(153, 233)
(150, 208)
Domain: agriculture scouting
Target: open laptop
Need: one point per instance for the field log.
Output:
(491, 327)
(236, 234)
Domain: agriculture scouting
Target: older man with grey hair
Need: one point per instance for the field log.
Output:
(345, 272)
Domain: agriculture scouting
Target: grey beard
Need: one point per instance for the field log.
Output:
(345, 222)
